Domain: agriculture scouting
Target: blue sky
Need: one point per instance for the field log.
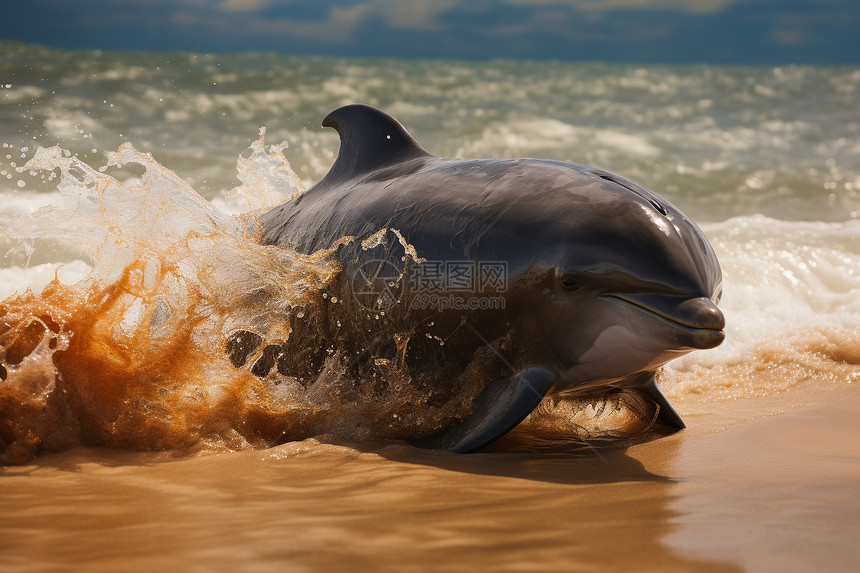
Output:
(658, 31)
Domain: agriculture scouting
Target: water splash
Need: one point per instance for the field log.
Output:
(133, 354)
(187, 333)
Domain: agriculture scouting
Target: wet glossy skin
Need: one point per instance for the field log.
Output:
(607, 281)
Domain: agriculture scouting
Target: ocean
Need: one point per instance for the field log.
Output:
(129, 187)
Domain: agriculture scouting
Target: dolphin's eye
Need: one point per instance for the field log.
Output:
(569, 283)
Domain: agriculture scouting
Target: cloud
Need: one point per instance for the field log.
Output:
(242, 5)
(413, 15)
(333, 30)
(789, 36)
(592, 6)
(401, 14)
(331, 21)
(352, 15)
(799, 31)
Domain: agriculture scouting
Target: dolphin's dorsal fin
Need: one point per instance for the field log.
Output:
(369, 140)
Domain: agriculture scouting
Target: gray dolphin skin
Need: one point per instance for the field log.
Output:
(525, 278)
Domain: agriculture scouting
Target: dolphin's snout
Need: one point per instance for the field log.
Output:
(700, 313)
(698, 320)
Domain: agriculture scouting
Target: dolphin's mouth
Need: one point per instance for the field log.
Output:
(697, 318)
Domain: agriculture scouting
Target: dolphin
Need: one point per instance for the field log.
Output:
(572, 279)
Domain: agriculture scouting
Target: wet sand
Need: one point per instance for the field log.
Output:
(776, 493)
(761, 484)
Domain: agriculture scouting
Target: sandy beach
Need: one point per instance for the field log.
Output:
(754, 485)
(776, 492)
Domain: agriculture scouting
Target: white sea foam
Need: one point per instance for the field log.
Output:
(782, 278)
(636, 145)
(72, 125)
(792, 307)
(19, 204)
(12, 93)
(16, 279)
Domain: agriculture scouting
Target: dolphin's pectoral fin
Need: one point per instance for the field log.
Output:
(666, 416)
(502, 405)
